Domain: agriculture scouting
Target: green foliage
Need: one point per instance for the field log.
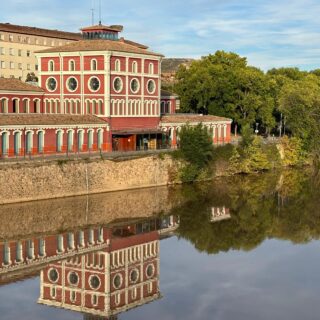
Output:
(196, 145)
(281, 205)
(196, 150)
(292, 151)
(247, 136)
(222, 84)
(300, 103)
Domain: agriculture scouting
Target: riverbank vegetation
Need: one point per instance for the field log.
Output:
(276, 102)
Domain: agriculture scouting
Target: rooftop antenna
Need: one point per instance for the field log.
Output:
(100, 12)
(92, 12)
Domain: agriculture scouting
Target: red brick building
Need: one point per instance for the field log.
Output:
(111, 79)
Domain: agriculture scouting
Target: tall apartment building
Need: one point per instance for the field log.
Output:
(18, 44)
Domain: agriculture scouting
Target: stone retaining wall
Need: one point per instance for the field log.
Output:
(46, 180)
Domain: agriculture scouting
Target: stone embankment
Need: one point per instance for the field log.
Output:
(31, 181)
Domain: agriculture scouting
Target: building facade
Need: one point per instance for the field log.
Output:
(19, 43)
(110, 79)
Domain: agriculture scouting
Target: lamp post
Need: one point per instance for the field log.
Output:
(256, 131)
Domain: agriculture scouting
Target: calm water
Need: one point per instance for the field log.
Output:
(239, 248)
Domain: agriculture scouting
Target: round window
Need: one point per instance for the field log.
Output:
(53, 275)
(94, 282)
(73, 278)
(72, 84)
(51, 84)
(150, 270)
(117, 281)
(134, 275)
(134, 85)
(94, 84)
(151, 86)
(117, 84)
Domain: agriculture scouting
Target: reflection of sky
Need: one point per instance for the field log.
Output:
(277, 280)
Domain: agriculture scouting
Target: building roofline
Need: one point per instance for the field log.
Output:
(35, 31)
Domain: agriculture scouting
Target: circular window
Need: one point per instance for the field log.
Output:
(150, 270)
(94, 84)
(134, 275)
(53, 275)
(117, 84)
(94, 282)
(72, 84)
(51, 84)
(73, 278)
(117, 281)
(134, 85)
(151, 86)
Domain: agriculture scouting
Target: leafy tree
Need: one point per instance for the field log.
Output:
(31, 77)
(300, 103)
(222, 84)
(196, 145)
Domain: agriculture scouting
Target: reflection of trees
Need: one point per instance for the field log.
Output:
(273, 205)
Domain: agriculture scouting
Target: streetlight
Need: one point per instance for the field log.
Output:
(256, 131)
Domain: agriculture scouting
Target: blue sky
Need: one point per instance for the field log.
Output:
(269, 33)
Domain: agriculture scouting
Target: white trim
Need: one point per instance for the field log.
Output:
(67, 86)
(89, 87)
(134, 92)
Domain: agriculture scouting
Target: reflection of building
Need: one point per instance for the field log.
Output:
(219, 213)
(107, 282)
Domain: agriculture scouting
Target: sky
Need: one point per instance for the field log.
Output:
(270, 33)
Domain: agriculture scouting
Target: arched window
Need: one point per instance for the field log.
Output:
(42, 247)
(118, 65)
(29, 142)
(15, 105)
(6, 254)
(90, 139)
(134, 67)
(100, 138)
(94, 106)
(100, 111)
(78, 107)
(167, 110)
(80, 140)
(163, 107)
(59, 140)
(40, 141)
(51, 65)
(151, 68)
(4, 106)
(72, 65)
(17, 143)
(19, 256)
(25, 103)
(87, 107)
(70, 141)
(60, 243)
(4, 143)
(93, 64)
(67, 107)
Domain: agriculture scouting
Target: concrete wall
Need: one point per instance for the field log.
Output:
(36, 181)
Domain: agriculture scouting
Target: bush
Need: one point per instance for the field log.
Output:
(196, 145)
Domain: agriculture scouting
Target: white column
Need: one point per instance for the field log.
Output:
(107, 84)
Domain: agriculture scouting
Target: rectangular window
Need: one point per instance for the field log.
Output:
(10, 37)
(1, 36)
(19, 52)
(28, 66)
(45, 42)
(11, 52)
(37, 41)
(3, 65)
(52, 43)
(11, 65)
(20, 66)
(19, 38)
(28, 40)
(36, 67)
(2, 51)
(28, 53)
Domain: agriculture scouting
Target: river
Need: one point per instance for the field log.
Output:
(243, 247)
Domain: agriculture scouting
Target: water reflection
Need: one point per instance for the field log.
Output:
(100, 256)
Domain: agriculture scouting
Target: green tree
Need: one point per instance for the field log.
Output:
(223, 84)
